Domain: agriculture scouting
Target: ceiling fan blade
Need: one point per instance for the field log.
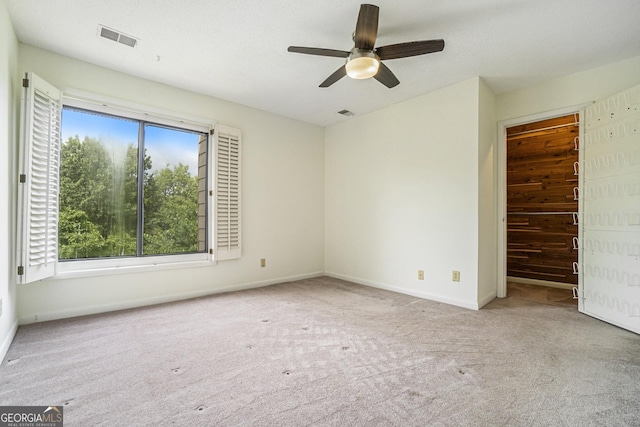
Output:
(337, 75)
(318, 51)
(366, 27)
(404, 50)
(386, 77)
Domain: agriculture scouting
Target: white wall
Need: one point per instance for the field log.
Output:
(487, 237)
(8, 118)
(401, 194)
(283, 200)
(574, 89)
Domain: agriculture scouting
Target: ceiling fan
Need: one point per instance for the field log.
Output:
(364, 60)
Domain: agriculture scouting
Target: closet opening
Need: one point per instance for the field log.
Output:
(540, 213)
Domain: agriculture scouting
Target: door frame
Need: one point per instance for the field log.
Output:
(501, 182)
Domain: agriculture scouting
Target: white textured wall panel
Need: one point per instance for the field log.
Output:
(610, 193)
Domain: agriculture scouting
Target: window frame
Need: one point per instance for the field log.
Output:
(88, 267)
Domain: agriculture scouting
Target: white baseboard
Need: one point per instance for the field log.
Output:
(6, 343)
(418, 294)
(123, 305)
(538, 282)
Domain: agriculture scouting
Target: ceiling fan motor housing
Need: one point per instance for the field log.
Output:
(362, 64)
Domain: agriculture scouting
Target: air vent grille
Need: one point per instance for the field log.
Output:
(117, 36)
(346, 113)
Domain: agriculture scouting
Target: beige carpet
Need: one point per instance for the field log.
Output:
(328, 352)
(541, 294)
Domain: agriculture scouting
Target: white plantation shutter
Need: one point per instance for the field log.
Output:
(227, 196)
(39, 168)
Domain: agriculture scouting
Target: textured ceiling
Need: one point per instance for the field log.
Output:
(237, 49)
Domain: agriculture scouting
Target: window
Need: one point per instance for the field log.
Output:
(106, 211)
(104, 186)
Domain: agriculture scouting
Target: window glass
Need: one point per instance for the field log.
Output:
(105, 212)
(170, 191)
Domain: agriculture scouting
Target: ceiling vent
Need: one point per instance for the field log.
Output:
(346, 113)
(117, 36)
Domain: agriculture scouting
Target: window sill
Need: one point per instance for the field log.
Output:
(97, 268)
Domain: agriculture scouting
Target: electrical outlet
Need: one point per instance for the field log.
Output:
(455, 276)
(263, 262)
(420, 274)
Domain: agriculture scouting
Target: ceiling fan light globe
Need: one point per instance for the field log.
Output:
(362, 65)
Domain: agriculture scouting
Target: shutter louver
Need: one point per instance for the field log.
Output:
(40, 163)
(227, 181)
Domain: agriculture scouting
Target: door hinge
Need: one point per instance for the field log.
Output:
(211, 131)
(20, 270)
(210, 251)
(23, 178)
(211, 192)
(25, 82)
